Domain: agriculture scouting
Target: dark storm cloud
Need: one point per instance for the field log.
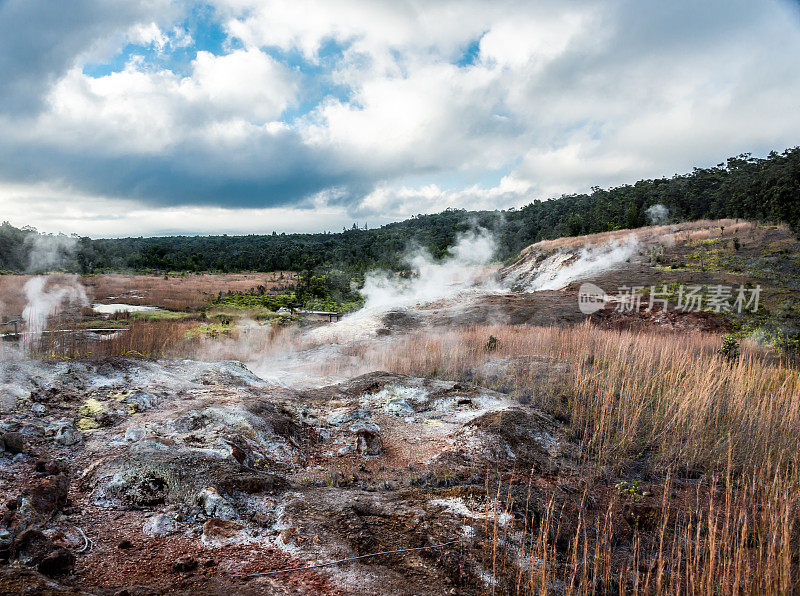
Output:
(265, 172)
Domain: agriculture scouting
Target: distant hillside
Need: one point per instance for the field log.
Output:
(762, 189)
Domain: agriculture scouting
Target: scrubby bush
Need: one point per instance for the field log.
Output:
(730, 347)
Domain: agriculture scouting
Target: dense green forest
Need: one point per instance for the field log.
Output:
(742, 187)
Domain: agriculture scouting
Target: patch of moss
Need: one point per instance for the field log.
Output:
(91, 408)
(211, 330)
(87, 424)
(161, 315)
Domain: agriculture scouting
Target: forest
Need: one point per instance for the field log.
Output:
(761, 189)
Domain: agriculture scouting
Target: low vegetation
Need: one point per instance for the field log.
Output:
(334, 291)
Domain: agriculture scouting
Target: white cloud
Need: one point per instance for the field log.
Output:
(437, 117)
(531, 43)
(150, 34)
(244, 83)
(372, 28)
(53, 210)
(140, 110)
(393, 202)
(562, 97)
(147, 34)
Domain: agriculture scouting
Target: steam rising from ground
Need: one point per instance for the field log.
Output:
(561, 268)
(657, 214)
(460, 273)
(46, 300)
(342, 349)
(46, 297)
(433, 280)
(50, 253)
(334, 352)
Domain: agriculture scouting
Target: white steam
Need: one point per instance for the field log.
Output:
(657, 214)
(46, 300)
(432, 280)
(48, 295)
(460, 273)
(48, 253)
(561, 268)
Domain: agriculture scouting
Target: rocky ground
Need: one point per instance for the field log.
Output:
(135, 476)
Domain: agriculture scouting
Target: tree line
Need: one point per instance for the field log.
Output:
(762, 189)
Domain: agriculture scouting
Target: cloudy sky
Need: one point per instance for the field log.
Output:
(167, 116)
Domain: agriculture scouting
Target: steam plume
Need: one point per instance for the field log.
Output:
(459, 273)
(657, 214)
(434, 280)
(49, 253)
(44, 302)
(561, 268)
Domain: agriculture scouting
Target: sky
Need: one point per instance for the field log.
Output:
(124, 118)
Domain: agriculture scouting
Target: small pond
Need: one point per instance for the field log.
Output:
(110, 309)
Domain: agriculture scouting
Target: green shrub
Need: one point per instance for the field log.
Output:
(730, 347)
(491, 344)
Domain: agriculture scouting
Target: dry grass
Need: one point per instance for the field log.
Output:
(668, 403)
(180, 292)
(159, 338)
(627, 392)
(694, 230)
(732, 536)
(146, 336)
(12, 299)
(150, 339)
(177, 292)
(12, 294)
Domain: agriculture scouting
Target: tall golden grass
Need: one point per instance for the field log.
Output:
(624, 392)
(671, 401)
(730, 536)
(143, 339)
